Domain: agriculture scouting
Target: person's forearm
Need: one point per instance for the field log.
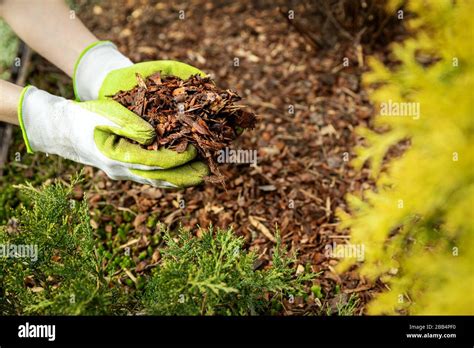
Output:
(9, 98)
(49, 28)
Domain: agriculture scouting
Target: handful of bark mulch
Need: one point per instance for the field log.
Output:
(192, 111)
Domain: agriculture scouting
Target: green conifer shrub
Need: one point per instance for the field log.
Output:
(214, 275)
(65, 276)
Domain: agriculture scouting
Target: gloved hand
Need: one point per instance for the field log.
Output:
(102, 71)
(96, 132)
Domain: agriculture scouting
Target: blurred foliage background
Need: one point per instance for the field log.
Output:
(417, 226)
(9, 47)
(214, 274)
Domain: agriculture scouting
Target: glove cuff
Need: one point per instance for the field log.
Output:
(93, 65)
(21, 118)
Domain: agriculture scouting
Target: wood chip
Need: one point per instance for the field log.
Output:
(262, 228)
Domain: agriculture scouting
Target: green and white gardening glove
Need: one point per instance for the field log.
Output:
(98, 133)
(101, 71)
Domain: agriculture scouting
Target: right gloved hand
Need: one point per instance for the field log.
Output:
(97, 133)
(102, 71)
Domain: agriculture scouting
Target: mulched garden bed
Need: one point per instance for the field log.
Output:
(309, 105)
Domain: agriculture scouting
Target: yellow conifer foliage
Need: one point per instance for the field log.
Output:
(418, 225)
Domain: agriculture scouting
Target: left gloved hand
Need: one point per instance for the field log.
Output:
(98, 133)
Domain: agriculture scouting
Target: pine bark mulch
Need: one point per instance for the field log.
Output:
(192, 111)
